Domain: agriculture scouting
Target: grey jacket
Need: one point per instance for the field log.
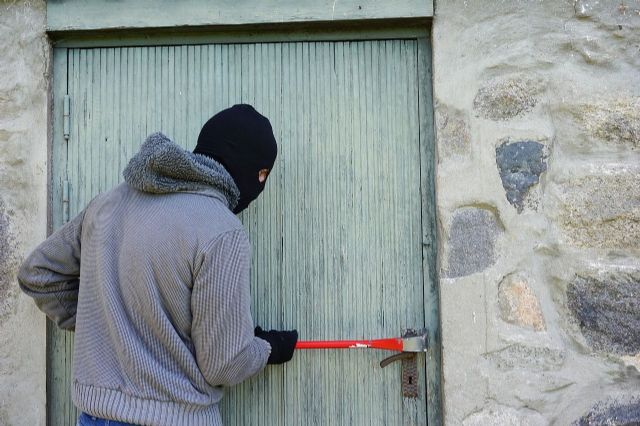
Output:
(154, 277)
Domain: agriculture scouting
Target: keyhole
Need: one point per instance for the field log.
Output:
(410, 380)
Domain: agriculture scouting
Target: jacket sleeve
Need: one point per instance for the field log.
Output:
(51, 274)
(222, 330)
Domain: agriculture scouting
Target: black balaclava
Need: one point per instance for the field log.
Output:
(242, 140)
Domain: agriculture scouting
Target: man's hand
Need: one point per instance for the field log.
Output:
(282, 344)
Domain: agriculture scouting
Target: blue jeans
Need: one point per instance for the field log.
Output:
(89, 420)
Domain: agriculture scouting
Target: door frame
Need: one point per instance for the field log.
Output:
(419, 30)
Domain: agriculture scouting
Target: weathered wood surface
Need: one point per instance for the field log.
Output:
(429, 232)
(338, 234)
(60, 409)
(64, 15)
(383, 30)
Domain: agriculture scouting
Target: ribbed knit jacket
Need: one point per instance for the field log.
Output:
(154, 277)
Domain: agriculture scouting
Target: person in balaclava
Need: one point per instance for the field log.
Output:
(153, 277)
(240, 139)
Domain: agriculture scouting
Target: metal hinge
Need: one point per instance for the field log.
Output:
(66, 112)
(65, 201)
(66, 125)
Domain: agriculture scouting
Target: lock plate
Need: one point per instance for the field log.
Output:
(410, 377)
(409, 368)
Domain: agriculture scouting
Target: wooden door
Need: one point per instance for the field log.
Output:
(341, 236)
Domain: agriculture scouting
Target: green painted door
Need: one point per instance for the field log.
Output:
(341, 236)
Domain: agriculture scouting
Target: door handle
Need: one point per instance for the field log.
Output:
(409, 368)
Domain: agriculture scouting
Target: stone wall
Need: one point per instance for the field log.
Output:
(538, 185)
(24, 82)
(537, 108)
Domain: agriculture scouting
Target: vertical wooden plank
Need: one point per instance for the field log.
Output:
(235, 75)
(144, 91)
(131, 103)
(194, 96)
(59, 145)
(240, 80)
(267, 284)
(415, 315)
(111, 162)
(125, 76)
(221, 64)
(58, 149)
(154, 92)
(201, 81)
(429, 232)
(182, 96)
(140, 101)
(92, 147)
(126, 86)
(187, 97)
(339, 111)
(117, 89)
(385, 115)
(290, 242)
(362, 300)
(78, 112)
(168, 104)
(84, 132)
(102, 116)
(263, 223)
(56, 348)
(128, 105)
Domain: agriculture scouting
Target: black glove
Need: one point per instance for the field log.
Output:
(282, 344)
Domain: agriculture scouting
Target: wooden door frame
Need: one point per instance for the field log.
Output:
(410, 29)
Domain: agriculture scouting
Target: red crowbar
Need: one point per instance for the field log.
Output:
(401, 344)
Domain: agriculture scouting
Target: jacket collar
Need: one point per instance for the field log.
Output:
(161, 166)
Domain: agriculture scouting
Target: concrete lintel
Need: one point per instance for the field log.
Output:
(78, 15)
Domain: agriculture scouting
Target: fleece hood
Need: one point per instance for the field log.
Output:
(162, 166)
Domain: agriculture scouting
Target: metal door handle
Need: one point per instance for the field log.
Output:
(409, 367)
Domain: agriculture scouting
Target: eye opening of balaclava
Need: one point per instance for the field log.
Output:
(242, 140)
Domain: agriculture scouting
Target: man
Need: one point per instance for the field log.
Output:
(153, 275)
